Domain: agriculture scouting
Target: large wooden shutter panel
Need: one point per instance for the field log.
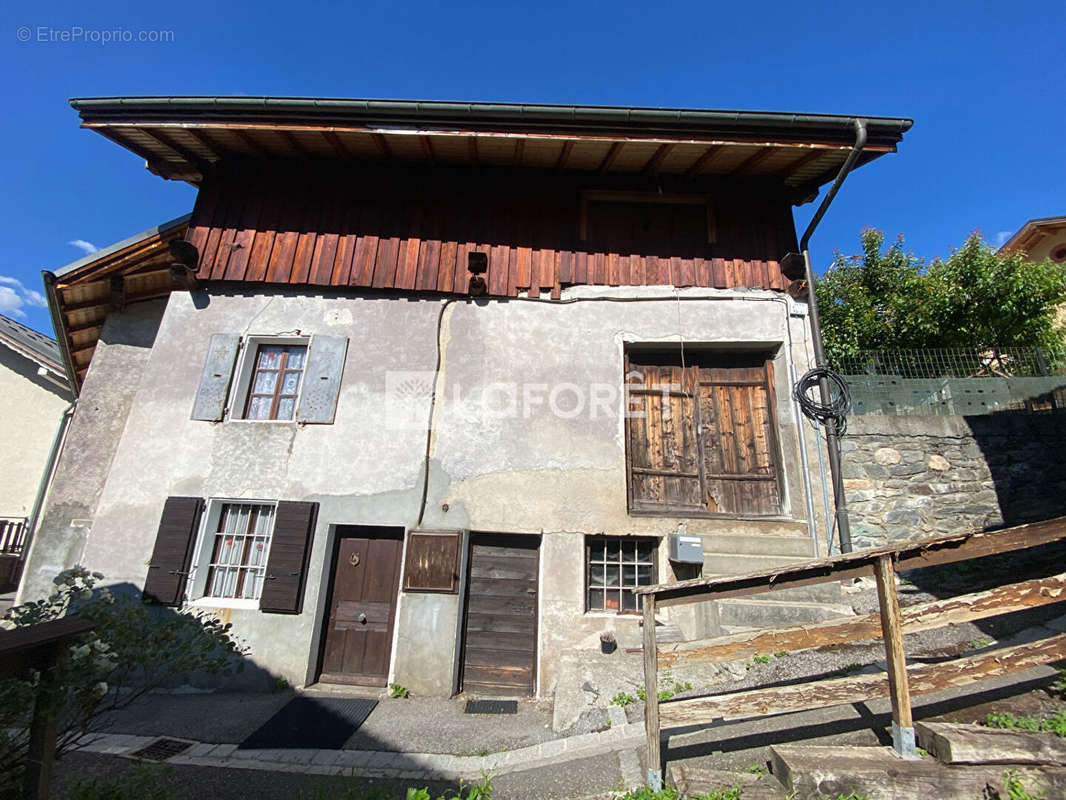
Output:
(663, 451)
(215, 379)
(737, 441)
(290, 546)
(322, 379)
(172, 555)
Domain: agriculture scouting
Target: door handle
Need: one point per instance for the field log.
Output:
(362, 619)
(354, 560)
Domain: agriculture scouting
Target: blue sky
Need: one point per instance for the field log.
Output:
(984, 83)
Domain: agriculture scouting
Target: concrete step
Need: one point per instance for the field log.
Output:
(745, 613)
(740, 564)
(760, 544)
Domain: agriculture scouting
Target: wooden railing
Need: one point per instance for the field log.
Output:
(889, 623)
(12, 535)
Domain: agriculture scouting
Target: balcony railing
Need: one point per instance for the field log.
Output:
(12, 535)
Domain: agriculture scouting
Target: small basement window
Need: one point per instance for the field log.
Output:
(231, 555)
(615, 566)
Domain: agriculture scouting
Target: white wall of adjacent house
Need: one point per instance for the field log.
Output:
(31, 407)
(507, 451)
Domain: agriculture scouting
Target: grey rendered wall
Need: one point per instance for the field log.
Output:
(533, 472)
(91, 443)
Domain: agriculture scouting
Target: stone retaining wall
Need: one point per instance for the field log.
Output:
(916, 477)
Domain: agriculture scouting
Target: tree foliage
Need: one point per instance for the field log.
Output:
(133, 649)
(887, 298)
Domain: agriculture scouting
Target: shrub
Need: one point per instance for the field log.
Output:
(132, 650)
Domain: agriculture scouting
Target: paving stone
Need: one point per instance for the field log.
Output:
(223, 750)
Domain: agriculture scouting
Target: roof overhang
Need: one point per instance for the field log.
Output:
(1032, 232)
(82, 294)
(184, 138)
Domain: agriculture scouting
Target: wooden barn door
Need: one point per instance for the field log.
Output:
(500, 623)
(362, 605)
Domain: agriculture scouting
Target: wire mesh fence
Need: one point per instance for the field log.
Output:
(955, 362)
(953, 381)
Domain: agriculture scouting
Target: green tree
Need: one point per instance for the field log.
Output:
(887, 298)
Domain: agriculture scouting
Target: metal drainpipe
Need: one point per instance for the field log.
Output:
(831, 435)
(46, 476)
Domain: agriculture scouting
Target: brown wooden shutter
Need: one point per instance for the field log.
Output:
(663, 451)
(738, 444)
(172, 555)
(290, 546)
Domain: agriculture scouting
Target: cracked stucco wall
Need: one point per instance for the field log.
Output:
(533, 471)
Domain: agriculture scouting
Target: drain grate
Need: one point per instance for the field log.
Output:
(162, 749)
(491, 707)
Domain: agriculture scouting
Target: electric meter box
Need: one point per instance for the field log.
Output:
(685, 549)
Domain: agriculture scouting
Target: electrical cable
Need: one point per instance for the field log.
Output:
(839, 401)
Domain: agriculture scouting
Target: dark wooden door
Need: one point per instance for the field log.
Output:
(500, 624)
(362, 605)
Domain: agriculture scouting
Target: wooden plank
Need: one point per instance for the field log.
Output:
(955, 743)
(892, 633)
(651, 693)
(923, 617)
(923, 679)
(911, 555)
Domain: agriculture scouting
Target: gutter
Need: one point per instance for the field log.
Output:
(639, 120)
(831, 430)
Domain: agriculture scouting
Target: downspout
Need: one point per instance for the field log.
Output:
(832, 437)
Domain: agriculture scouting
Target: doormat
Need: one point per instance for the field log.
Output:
(491, 707)
(317, 723)
(161, 749)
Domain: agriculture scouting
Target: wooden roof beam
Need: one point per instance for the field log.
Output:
(705, 157)
(753, 160)
(611, 156)
(250, 143)
(472, 146)
(657, 158)
(427, 149)
(206, 141)
(338, 146)
(382, 145)
(564, 156)
(294, 143)
(519, 150)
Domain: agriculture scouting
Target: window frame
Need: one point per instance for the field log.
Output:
(768, 352)
(654, 541)
(200, 566)
(240, 394)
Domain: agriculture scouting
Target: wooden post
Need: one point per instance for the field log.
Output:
(892, 632)
(43, 729)
(651, 696)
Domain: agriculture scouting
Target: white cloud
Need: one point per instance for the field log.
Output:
(88, 247)
(1002, 237)
(14, 297)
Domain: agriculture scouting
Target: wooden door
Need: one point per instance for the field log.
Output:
(357, 640)
(500, 623)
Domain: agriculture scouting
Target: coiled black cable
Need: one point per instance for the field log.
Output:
(839, 398)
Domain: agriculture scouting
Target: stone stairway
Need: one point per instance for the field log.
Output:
(773, 545)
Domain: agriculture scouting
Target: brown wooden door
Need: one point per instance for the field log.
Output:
(500, 624)
(362, 605)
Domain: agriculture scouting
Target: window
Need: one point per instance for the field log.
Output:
(701, 435)
(616, 565)
(271, 378)
(277, 372)
(232, 553)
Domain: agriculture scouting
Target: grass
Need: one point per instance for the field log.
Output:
(977, 644)
(1015, 790)
(623, 699)
(138, 782)
(1055, 724)
(398, 691)
(761, 659)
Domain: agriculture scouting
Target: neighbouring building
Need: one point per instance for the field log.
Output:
(1039, 239)
(34, 394)
(421, 391)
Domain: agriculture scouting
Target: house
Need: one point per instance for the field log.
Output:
(421, 391)
(34, 396)
(1040, 239)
